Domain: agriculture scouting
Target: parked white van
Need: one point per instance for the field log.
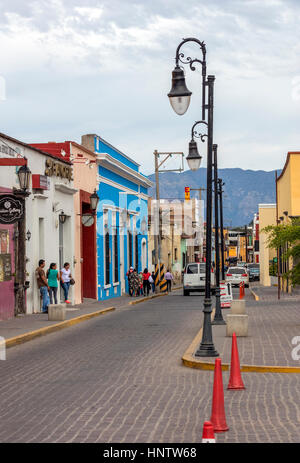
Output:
(194, 278)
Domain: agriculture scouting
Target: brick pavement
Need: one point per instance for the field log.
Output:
(26, 323)
(119, 378)
(272, 326)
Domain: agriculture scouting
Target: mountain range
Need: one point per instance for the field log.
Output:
(243, 190)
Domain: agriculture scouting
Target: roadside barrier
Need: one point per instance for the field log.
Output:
(218, 418)
(235, 379)
(208, 435)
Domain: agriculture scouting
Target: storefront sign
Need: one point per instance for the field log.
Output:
(5, 267)
(11, 209)
(57, 169)
(40, 182)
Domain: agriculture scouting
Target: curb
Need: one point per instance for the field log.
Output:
(144, 299)
(147, 298)
(256, 297)
(188, 360)
(52, 328)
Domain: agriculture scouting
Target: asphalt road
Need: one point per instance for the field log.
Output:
(119, 378)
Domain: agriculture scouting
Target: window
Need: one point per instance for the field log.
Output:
(107, 259)
(136, 253)
(192, 268)
(236, 271)
(116, 259)
(106, 248)
(130, 260)
(176, 254)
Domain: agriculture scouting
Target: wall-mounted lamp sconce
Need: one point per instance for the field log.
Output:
(28, 234)
(62, 217)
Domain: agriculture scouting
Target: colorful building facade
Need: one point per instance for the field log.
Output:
(122, 217)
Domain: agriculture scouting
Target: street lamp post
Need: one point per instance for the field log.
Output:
(220, 191)
(24, 175)
(180, 98)
(218, 319)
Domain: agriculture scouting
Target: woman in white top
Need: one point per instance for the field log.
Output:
(65, 277)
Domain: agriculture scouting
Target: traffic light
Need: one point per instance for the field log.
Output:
(187, 193)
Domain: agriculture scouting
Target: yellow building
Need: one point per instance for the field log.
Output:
(288, 199)
(288, 188)
(267, 216)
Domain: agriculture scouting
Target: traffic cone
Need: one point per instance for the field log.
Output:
(235, 379)
(241, 290)
(208, 436)
(218, 418)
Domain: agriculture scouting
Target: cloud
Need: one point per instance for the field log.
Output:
(105, 67)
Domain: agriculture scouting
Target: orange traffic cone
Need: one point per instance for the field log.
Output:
(218, 418)
(235, 379)
(208, 436)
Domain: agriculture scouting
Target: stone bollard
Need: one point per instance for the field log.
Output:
(237, 324)
(238, 306)
(57, 312)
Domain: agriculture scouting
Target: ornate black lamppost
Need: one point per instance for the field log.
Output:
(218, 319)
(20, 285)
(180, 99)
(220, 191)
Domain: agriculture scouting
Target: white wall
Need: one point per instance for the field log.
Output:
(40, 206)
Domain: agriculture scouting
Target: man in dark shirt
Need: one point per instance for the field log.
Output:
(43, 285)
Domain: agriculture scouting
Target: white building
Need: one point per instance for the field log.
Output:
(51, 194)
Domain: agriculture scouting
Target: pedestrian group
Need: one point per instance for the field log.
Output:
(48, 283)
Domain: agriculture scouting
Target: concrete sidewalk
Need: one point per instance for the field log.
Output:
(270, 293)
(272, 326)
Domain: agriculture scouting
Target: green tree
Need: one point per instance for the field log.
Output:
(287, 237)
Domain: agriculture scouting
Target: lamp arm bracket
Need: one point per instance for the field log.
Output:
(188, 60)
(197, 134)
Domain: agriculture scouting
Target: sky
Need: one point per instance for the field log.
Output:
(69, 68)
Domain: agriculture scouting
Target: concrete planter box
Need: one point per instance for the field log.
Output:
(237, 324)
(57, 312)
(238, 306)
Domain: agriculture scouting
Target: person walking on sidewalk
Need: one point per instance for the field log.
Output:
(169, 277)
(53, 279)
(129, 275)
(65, 277)
(146, 284)
(43, 285)
(141, 283)
(151, 282)
(136, 283)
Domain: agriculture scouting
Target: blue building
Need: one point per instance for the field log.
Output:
(122, 217)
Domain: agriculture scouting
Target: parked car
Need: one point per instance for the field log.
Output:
(237, 275)
(242, 264)
(194, 278)
(253, 271)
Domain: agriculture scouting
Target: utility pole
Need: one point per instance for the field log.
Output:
(157, 237)
(200, 190)
(246, 242)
